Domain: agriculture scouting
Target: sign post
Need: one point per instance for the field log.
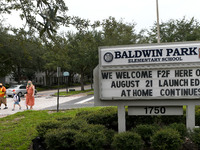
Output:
(153, 79)
(66, 74)
(58, 76)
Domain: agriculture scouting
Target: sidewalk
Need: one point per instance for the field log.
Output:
(40, 102)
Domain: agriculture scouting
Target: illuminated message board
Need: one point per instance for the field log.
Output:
(151, 84)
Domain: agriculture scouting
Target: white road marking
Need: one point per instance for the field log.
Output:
(85, 100)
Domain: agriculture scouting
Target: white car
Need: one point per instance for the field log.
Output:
(20, 90)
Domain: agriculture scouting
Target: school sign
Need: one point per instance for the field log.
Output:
(156, 78)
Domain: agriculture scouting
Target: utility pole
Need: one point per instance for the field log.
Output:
(158, 27)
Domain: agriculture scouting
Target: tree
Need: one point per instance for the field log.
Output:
(55, 55)
(118, 33)
(5, 52)
(26, 55)
(52, 12)
(83, 51)
(143, 37)
(177, 30)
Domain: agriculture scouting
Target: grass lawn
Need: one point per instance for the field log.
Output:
(75, 92)
(18, 130)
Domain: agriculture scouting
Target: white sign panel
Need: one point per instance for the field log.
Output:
(150, 54)
(155, 110)
(150, 84)
(66, 74)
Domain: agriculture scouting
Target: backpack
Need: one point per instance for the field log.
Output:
(18, 98)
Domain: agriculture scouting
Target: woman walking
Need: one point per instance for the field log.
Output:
(30, 100)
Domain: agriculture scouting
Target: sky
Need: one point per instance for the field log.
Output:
(140, 12)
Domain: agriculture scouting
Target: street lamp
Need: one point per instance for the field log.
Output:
(158, 27)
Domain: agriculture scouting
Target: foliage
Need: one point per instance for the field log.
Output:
(166, 139)
(18, 130)
(106, 116)
(75, 123)
(176, 31)
(166, 120)
(60, 139)
(195, 136)
(93, 137)
(117, 32)
(56, 54)
(197, 116)
(52, 12)
(31, 49)
(146, 132)
(181, 128)
(22, 56)
(27, 54)
(133, 121)
(83, 51)
(5, 52)
(77, 134)
(45, 126)
(64, 118)
(127, 141)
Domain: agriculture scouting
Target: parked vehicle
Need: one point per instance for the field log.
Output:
(20, 90)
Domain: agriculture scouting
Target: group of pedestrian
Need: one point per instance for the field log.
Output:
(30, 100)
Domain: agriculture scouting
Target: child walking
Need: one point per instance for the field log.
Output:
(16, 100)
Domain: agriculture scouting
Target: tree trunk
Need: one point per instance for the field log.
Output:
(47, 78)
(18, 74)
(82, 81)
(91, 79)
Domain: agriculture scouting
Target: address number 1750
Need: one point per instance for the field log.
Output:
(155, 110)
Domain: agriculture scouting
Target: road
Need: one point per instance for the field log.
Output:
(85, 101)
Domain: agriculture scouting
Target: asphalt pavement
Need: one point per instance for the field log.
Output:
(78, 102)
(45, 101)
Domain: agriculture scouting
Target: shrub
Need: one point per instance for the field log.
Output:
(64, 118)
(60, 139)
(146, 131)
(94, 137)
(166, 120)
(83, 113)
(82, 141)
(106, 116)
(166, 139)
(43, 127)
(90, 128)
(181, 128)
(88, 141)
(90, 137)
(195, 136)
(127, 141)
(75, 123)
(197, 117)
(133, 121)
